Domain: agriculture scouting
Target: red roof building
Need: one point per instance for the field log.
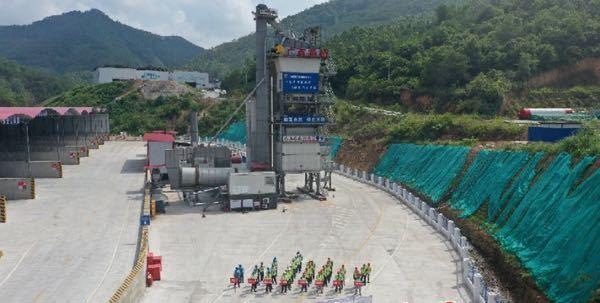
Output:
(158, 143)
(158, 137)
(32, 112)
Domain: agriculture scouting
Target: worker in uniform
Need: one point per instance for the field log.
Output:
(274, 273)
(261, 272)
(255, 278)
(305, 278)
(368, 273)
(274, 269)
(287, 276)
(363, 270)
(241, 271)
(339, 278)
(290, 278)
(320, 277)
(328, 271)
(238, 274)
(357, 278)
(311, 271)
(343, 270)
(269, 276)
(299, 262)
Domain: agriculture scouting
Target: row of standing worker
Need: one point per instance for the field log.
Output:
(322, 277)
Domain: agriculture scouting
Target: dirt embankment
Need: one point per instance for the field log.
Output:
(361, 155)
(584, 72)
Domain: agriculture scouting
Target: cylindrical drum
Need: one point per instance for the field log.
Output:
(188, 176)
(213, 176)
(204, 176)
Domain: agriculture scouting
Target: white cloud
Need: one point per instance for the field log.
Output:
(203, 22)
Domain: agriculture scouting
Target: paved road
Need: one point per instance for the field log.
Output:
(76, 241)
(412, 263)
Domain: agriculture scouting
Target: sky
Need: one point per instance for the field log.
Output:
(205, 23)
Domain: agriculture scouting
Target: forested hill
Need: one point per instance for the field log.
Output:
(20, 85)
(334, 16)
(77, 41)
(467, 58)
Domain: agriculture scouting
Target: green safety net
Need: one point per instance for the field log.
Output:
(336, 144)
(235, 132)
(428, 169)
(554, 230)
(550, 219)
(486, 179)
(499, 212)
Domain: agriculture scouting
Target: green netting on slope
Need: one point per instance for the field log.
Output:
(554, 230)
(486, 179)
(336, 144)
(235, 132)
(500, 212)
(429, 169)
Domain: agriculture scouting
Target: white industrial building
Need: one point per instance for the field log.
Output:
(110, 74)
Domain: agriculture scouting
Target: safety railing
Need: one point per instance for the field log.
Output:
(473, 280)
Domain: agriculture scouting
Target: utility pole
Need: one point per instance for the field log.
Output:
(28, 149)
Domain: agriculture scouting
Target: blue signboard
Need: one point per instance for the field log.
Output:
(301, 83)
(303, 119)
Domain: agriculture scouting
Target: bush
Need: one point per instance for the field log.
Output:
(359, 123)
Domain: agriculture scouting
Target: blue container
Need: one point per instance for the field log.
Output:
(145, 220)
(548, 134)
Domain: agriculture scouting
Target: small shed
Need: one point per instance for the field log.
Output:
(157, 143)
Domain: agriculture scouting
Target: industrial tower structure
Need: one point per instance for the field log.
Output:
(286, 121)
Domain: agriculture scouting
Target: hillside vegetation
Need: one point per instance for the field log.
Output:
(468, 57)
(80, 41)
(448, 128)
(333, 16)
(131, 112)
(20, 85)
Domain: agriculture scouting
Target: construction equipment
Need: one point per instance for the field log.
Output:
(286, 115)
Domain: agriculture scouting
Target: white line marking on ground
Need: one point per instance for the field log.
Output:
(18, 263)
(114, 254)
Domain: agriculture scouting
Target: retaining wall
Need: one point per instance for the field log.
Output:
(17, 188)
(471, 277)
(68, 155)
(39, 169)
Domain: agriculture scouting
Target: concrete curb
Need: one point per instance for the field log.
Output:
(471, 277)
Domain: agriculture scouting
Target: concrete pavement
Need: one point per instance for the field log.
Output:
(358, 224)
(76, 241)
